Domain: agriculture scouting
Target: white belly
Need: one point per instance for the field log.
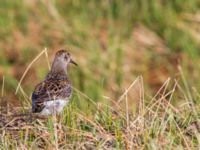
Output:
(53, 107)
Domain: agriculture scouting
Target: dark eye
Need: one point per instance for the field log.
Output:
(66, 57)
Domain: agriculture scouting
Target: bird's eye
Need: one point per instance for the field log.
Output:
(66, 57)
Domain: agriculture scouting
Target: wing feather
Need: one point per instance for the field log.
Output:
(49, 90)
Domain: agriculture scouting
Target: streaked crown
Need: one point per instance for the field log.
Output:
(63, 56)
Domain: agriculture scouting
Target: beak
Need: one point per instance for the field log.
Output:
(73, 62)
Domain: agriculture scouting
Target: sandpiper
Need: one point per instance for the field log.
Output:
(51, 95)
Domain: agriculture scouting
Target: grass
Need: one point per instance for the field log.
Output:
(136, 85)
(156, 124)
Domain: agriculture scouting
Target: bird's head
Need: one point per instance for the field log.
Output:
(64, 57)
(61, 60)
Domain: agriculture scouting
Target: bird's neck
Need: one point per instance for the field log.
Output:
(59, 66)
(58, 71)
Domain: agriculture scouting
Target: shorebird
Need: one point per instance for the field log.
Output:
(51, 95)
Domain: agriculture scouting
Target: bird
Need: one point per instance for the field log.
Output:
(52, 94)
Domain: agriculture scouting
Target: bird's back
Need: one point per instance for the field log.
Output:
(51, 89)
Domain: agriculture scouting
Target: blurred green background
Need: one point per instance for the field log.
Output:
(113, 41)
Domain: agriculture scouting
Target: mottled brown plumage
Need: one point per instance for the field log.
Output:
(54, 92)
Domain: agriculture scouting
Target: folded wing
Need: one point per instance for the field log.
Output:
(50, 90)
